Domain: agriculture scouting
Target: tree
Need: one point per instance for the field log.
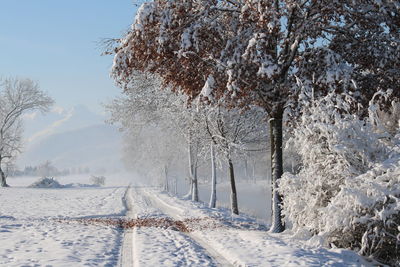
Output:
(98, 180)
(46, 169)
(213, 196)
(143, 112)
(261, 52)
(233, 132)
(144, 105)
(16, 97)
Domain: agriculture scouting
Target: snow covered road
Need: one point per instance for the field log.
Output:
(157, 246)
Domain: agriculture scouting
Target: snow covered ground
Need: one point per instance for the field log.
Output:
(253, 198)
(31, 233)
(240, 241)
(39, 227)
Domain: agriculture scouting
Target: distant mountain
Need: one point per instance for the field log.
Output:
(58, 120)
(71, 139)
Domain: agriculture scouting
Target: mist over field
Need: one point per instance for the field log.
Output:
(71, 139)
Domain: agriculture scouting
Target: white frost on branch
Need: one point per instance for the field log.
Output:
(144, 16)
(207, 90)
(348, 190)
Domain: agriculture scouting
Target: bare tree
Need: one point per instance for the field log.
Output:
(233, 132)
(16, 97)
(46, 169)
(144, 104)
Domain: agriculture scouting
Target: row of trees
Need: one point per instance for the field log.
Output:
(244, 53)
(157, 122)
(45, 169)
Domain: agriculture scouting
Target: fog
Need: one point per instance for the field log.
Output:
(74, 141)
(76, 144)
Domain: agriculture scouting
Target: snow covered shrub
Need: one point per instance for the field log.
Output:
(365, 214)
(385, 121)
(98, 180)
(46, 183)
(347, 192)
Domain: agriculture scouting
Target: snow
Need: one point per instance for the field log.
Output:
(144, 16)
(208, 87)
(347, 192)
(186, 42)
(155, 247)
(243, 242)
(39, 227)
(31, 233)
(267, 69)
(254, 199)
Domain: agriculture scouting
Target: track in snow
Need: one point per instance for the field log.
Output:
(127, 256)
(152, 246)
(173, 212)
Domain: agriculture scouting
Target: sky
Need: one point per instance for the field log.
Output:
(56, 43)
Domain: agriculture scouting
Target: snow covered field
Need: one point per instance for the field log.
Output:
(253, 198)
(38, 228)
(31, 235)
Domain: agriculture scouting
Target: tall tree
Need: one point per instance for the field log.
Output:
(144, 104)
(16, 97)
(233, 132)
(260, 52)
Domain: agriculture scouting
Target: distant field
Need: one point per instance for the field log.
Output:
(254, 198)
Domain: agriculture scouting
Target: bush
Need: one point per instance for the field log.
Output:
(46, 182)
(348, 190)
(98, 180)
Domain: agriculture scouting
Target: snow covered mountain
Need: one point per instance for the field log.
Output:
(70, 139)
(58, 120)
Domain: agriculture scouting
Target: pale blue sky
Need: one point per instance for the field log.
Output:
(55, 42)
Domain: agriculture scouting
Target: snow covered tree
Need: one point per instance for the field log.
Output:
(259, 52)
(232, 132)
(46, 169)
(142, 113)
(153, 153)
(16, 97)
(213, 196)
(144, 104)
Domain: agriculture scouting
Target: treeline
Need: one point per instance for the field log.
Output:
(46, 169)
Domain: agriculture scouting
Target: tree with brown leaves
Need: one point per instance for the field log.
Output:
(265, 53)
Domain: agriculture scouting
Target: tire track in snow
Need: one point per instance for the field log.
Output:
(172, 212)
(155, 246)
(127, 258)
(174, 247)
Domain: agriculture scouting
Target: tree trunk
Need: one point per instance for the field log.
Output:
(254, 172)
(276, 169)
(3, 178)
(166, 186)
(234, 202)
(176, 186)
(195, 196)
(246, 170)
(194, 192)
(190, 193)
(213, 197)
